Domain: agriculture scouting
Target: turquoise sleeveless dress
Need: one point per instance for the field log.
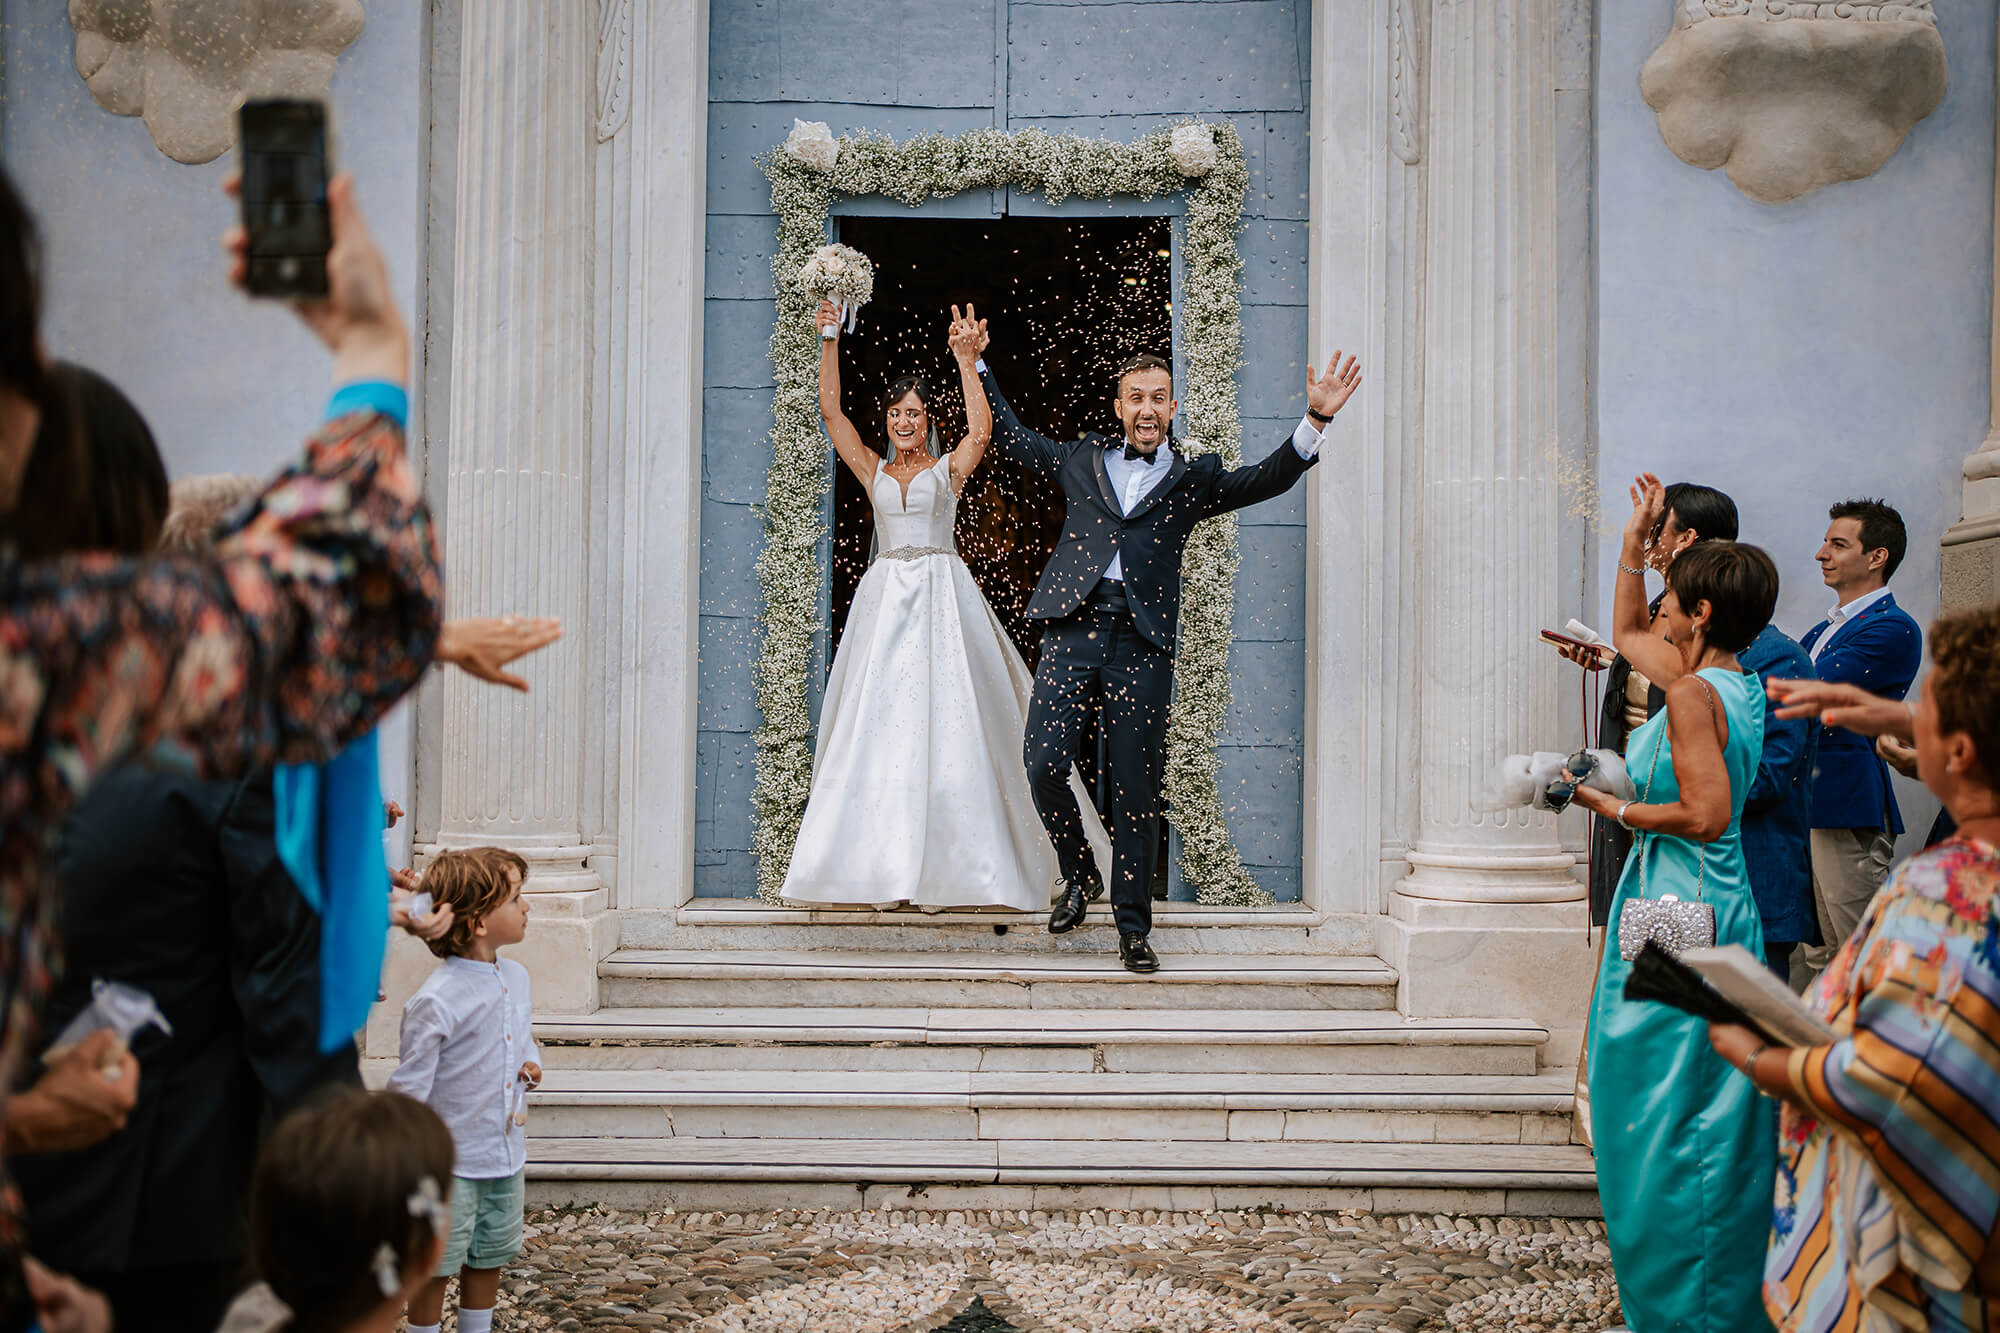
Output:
(1686, 1148)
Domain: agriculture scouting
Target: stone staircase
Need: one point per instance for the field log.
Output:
(995, 1076)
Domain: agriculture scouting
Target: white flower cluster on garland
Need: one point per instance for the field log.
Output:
(1205, 161)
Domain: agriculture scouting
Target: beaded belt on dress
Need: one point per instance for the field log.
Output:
(912, 552)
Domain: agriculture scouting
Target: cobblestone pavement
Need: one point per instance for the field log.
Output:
(1019, 1272)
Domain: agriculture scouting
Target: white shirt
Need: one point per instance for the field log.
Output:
(466, 1033)
(1840, 615)
(1133, 480)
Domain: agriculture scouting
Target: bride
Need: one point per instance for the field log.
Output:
(926, 702)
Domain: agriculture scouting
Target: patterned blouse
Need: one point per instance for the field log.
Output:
(1889, 1188)
(309, 620)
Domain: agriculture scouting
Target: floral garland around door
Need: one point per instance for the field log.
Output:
(1203, 160)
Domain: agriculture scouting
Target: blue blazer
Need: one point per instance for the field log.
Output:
(1777, 815)
(1879, 650)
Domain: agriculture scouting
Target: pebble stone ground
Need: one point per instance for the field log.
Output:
(1035, 1272)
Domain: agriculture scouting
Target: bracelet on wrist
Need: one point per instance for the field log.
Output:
(1317, 418)
(1749, 1065)
(1620, 817)
(1624, 568)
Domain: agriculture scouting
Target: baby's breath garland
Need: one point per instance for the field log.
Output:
(803, 185)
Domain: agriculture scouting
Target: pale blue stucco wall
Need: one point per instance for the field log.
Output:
(1801, 353)
(1116, 70)
(135, 273)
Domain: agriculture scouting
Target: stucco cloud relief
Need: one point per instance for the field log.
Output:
(1790, 95)
(185, 65)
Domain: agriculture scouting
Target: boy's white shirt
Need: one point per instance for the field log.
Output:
(466, 1033)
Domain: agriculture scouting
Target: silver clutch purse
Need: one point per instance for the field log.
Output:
(1668, 922)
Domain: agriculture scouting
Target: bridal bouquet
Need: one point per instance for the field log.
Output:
(842, 273)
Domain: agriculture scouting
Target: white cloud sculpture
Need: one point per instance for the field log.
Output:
(186, 65)
(1790, 95)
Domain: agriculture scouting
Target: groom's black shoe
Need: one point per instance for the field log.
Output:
(1137, 955)
(1067, 915)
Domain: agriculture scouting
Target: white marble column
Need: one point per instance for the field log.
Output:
(1489, 921)
(1969, 554)
(517, 461)
(1491, 521)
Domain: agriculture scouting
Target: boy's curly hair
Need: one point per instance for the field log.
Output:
(474, 881)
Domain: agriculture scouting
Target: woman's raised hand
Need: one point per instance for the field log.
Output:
(1649, 506)
(358, 319)
(968, 335)
(828, 317)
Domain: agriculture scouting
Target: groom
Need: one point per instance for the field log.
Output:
(1111, 599)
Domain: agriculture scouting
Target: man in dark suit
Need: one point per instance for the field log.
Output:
(174, 885)
(1869, 641)
(1110, 598)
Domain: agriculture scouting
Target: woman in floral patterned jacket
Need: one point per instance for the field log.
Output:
(1887, 1192)
(308, 621)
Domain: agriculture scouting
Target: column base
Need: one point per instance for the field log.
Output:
(569, 934)
(1494, 960)
(1489, 877)
(1969, 564)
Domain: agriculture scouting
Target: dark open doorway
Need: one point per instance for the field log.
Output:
(1066, 302)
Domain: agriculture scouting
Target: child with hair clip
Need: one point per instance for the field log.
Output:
(468, 1051)
(349, 1213)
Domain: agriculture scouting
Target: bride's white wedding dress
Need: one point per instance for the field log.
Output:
(919, 795)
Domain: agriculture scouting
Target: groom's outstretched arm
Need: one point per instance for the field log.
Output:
(1031, 449)
(1325, 396)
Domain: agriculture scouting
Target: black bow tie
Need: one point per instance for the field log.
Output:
(1134, 451)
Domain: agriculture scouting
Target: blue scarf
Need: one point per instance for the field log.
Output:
(329, 835)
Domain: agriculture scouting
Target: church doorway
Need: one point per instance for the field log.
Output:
(1066, 301)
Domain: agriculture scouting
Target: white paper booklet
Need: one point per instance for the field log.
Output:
(1742, 979)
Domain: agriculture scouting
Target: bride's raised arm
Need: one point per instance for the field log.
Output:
(860, 459)
(968, 340)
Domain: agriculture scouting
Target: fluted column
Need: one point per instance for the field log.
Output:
(518, 457)
(1969, 554)
(1489, 541)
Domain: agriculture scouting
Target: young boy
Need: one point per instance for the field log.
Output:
(469, 1052)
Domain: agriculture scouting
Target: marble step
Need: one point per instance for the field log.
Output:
(1169, 1041)
(939, 1105)
(1205, 1164)
(1178, 928)
(665, 978)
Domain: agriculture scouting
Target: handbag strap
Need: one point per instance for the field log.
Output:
(1645, 798)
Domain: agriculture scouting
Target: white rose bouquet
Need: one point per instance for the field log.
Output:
(841, 274)
(1193, 149)
(812, 144)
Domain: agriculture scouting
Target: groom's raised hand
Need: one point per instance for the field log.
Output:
(1326, 394)
(968, 335)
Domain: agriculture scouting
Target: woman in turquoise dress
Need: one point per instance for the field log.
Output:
(1686, 1148)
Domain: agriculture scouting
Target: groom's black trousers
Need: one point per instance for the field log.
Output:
(1094, 660)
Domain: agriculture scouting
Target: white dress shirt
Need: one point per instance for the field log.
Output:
(466, 1033)
(1133, 480)
(1842, 614)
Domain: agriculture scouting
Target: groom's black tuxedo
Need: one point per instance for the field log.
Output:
(1152, 538)
(1107, 648)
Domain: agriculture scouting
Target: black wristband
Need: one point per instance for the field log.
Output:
(1318, 418)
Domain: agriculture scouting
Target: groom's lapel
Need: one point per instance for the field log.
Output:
(1096, 445)
(1159, 492)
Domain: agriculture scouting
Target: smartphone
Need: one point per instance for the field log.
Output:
(285, 160)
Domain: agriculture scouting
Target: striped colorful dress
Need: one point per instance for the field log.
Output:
(1889, 1187)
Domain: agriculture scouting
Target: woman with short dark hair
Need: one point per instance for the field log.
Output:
(1683, 1145)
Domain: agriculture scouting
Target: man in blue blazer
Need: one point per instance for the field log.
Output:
(1866, 640)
